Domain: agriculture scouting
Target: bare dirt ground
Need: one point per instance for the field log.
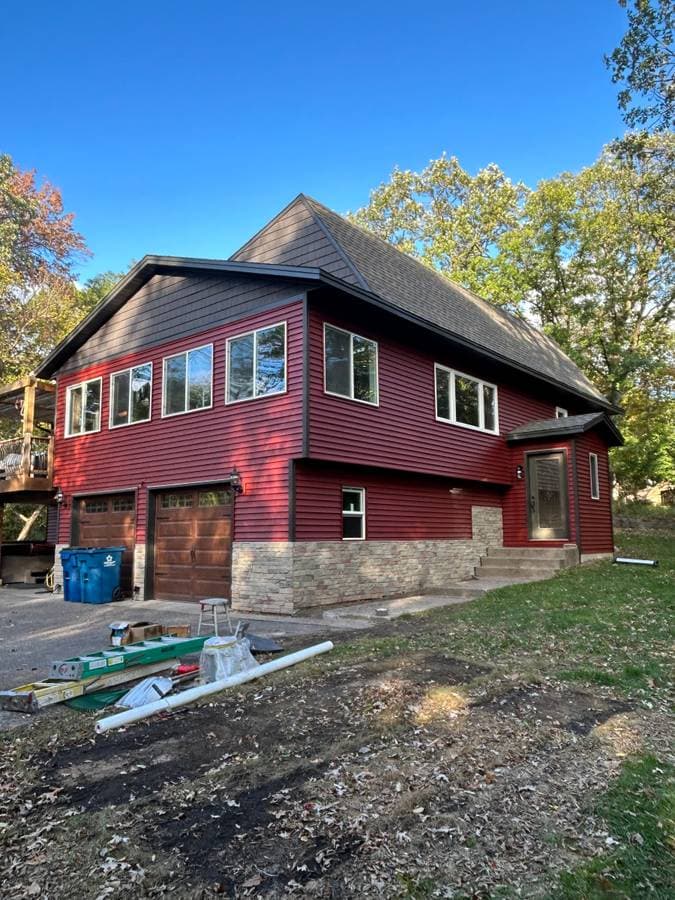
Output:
(356, 775)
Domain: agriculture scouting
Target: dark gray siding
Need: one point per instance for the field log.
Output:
(296, 238)
(174, 306)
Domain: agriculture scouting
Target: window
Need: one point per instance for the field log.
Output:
(130, 396)
(256, 364)
(350, 365)
(561, 412)
(96, 506)
(212, 498)
(353, 514)
(463, 400)
(187, 381)
(123, 504)
(595, 480)
(83, 408)
(176, 501)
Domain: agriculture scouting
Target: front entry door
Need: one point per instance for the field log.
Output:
(193, 543)
(547, 496)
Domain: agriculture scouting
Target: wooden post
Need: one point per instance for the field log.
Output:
(28, 422)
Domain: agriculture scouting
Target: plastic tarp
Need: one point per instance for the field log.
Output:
(223, 657)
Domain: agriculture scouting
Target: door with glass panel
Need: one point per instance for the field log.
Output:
(547, 496)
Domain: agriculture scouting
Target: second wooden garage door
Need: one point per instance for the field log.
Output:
(108, 520)
(193, 544)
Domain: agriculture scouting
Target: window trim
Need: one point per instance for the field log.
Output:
(351, 396)
(66, 427)
(254, 332)
(185, 412)
(111, 393)
(561, 412)
(481, 400)
(353, 515)
(593, 460)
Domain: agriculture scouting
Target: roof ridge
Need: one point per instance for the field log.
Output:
(471, 295)
(310, 203)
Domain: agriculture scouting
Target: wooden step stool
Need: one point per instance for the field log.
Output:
(214, 604)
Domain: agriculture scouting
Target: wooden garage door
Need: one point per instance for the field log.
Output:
(193, 544)
(109, 520)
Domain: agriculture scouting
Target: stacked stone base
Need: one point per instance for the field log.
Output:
(285, 578)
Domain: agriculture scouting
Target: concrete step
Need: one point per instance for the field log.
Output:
(531, 573)
(515, 563)
(529, 552)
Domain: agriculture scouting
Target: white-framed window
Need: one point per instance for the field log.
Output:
(130, 395)
(353, 514)
(594, 475)
(83, 407)
(256, 363)
(466, 401)
(350, 365)
(188, 381)
(561, 412)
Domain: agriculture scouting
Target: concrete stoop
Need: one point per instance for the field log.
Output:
(500, 567)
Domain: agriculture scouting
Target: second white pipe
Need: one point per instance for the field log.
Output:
(196, 693)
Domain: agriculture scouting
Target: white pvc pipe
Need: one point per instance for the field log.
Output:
(196, 693)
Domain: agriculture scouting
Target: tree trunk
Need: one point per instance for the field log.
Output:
(28, 524)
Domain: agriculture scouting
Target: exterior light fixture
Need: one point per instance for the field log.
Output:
(235, 482)
(519, 473)
(58, 496)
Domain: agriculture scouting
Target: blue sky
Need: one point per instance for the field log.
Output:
(180, 128)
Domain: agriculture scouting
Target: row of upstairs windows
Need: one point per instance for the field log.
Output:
(256, 366)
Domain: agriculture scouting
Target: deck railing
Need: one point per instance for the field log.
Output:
(25, 457)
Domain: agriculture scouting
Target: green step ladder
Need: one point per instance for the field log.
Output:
(113, 660)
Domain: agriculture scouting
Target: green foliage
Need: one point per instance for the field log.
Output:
(588, 256)
(447, 218)
(639, 810)
(645, 64)
(15, 517)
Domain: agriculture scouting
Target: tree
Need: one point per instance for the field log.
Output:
(447, 218)
(589, 257)
(645, 63)
(39, 246)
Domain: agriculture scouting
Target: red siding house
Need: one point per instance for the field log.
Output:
(318, 419)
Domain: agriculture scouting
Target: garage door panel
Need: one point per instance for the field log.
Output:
(193, 543)
(109, 520)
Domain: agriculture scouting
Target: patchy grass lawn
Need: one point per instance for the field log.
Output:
(515, 746)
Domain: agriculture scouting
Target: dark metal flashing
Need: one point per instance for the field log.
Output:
(291, 500)
(305, 376)
(575, 486)
(149, 573)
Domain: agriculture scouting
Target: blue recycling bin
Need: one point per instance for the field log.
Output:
(99, 569)
(71, 576)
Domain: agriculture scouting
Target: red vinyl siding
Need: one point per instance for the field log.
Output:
(258, 437)
(398, 506)
(515, 501)
(402, 432)
(595, 516)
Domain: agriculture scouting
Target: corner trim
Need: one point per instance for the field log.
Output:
(575, 484)
(291, 500)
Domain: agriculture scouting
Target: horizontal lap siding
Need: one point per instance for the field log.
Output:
(169, 307)
(595, 516)
(398, 506)
(296, 239)
(402, 432)
(516, 501)
(257, 437)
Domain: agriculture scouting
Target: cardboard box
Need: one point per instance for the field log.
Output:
(126, 633)
(177, 630)
(143, 631)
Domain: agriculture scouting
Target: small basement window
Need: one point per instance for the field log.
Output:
(256, 363)
(350, 365)
(83, 407)
(130, 395)
(187, 381)
(595, 480)
(353, 514)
